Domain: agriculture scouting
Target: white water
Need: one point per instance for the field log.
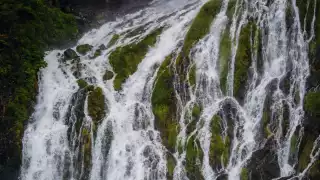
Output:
(132, 148)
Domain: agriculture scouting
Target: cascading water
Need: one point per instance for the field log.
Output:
(226, 103)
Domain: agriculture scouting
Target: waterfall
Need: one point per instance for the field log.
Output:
(217, 93)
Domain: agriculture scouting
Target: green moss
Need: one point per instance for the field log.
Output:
(196, 112)
(82, 83)
(164, 107)
(293, 144)
(243, 59)
(265, 121)
(86, 147)
(199, 28)
(171, 163)
(83, 49)
(194, 158)
(244, 175)
(96, 105)
(312, 103)
(108, 75)
(315, 170)
(201, 24)
(28, 28)
(97, 53)
(224, 55)
(192, 75)
(219, 147)
(125, 60)
(113, 40)
(304, 154)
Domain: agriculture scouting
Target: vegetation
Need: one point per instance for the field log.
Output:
(224, 55)
(243, 59)
(27, 29)
(96, 105)
(113, 40)
(244, 175)
(312, 103)
(219, 147)
(192, 75)
(82, 83)
(194, 159)
(86, 147)
(83, 48)
(163, 105)
(125, 60)
(171, 163)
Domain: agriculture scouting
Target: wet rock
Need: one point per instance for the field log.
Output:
(264, 162)
(83, 49)
(102, 47)
(70, 54)
(108, 75)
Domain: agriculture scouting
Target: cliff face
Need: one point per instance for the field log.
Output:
(219, 90)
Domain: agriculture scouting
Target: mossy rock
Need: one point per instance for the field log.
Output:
(86, 147)
(192, 75)
(312, 103)
(244, 175)
(96, 105)
(194, 158)
(304, 152)
(83, 49)
(171, 164)
(113, 40)
(219, 147)
(243, 60)
(164, 105)
(70, 54)
(82, 83)
(125, 60)
(108, 75)
(224, 56)
(96, 54)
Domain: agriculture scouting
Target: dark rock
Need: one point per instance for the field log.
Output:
(108, 75)
(70, 54)
(264, 162)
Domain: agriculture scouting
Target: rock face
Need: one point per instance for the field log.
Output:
(70, 54)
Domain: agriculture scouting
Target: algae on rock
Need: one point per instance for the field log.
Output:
(219, 146)
(83, 49)
(164, 105)
(96, 105)
(125, 60)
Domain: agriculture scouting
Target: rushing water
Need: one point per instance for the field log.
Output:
(126, 144)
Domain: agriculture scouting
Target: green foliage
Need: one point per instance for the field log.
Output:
(82, 83)
(113, 40)
(171, 163)
(27, 29)
(312, 103)
(224, 55)
(83, 48)
(244, 175)
(96, 105)
(163, 105)
(243, 59)
(86, 147)
(97, 53)
(199, 28)
(125, 60)
(219, 148)
(201, 24)
(194, 158)
(192, 75)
